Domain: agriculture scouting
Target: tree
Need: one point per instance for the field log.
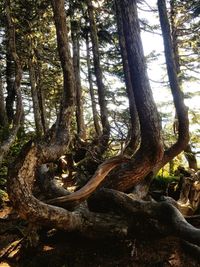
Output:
(103, 142)
(175, 25)
(113, 199)
(13, 118)
(75, 33)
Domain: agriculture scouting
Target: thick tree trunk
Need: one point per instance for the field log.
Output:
(67, 102)
(51, 147)
(91, 224)
(120, 222)
(135, 127)
(150, 151)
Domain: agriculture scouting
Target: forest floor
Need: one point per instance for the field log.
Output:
(59, 249)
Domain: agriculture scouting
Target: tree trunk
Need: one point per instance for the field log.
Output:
(67, 102)
(150, 151)
(135, 130)
(41, 96)
(181, 109)
(10, 77)
(174, 33)
(120, 207)
(91, 88)
(7, 143)
(99, 79)
(75, 32)
(36, 106)
(51, 147)
(3, 115)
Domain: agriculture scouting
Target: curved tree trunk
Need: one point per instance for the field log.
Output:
(190, 156)
(120, 222)
(181, 109)
(150, 151)
(92, 224)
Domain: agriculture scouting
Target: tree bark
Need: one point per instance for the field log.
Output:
(181, 109)
(41, 96)
(3, 115)
(91, 88)
(10, 77)
(99, 79)
(118, 223)
(75, 33)
(67, 101)
(135, 127)
(151, 148)
(7, 143)
(173, 18)
(36, 106)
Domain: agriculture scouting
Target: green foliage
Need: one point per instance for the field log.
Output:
(3, 174)
(3, 196)
(167, 179)
(161, 182)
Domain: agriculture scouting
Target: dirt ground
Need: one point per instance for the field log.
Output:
(59, 249)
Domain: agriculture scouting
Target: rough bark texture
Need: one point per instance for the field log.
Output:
(135, 128)
(150, 151)
(51, 147)
(150, 125)
(82, 194)
(84, 221)
(120, 208)
(67, 101)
